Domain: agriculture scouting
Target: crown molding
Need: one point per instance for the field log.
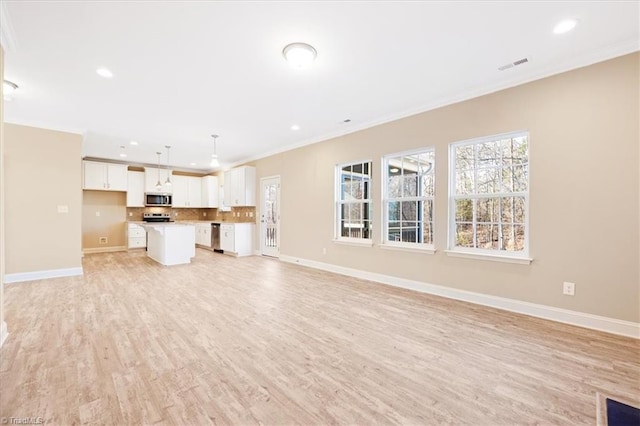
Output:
(589, 58)
(7, 38)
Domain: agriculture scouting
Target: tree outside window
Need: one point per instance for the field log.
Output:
(489, 194)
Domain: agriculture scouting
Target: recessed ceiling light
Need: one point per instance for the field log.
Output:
(192, 164)
(565, 26)
(104, 72)
(123, 155)
(299, 55)
(133, 143)
(295, 127)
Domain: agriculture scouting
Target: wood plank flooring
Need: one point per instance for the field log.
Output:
(257, 341)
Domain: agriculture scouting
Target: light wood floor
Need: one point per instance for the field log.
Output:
(257, 341)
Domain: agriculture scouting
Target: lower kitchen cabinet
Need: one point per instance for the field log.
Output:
(136, 236)
(237, 238)
(203, 234)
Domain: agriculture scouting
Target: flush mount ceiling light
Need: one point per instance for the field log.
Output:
(104, 72)
(214, 156)
(565, 26)
(299, 55)
(8, 87)
(295, 127)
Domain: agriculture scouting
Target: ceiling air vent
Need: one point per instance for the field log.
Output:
(513, 64)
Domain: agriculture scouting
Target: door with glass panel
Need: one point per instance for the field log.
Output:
(270, 216)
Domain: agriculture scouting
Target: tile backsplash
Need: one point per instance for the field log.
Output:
(237, 214)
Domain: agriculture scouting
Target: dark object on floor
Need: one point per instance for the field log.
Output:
(619, 414)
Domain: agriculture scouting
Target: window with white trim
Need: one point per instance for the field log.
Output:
(409, 187)
(489, 195)
(353, 201)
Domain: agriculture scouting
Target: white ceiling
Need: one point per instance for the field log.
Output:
(185, 70)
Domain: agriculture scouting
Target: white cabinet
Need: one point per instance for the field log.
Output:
(236, 239)
(151, 176)
(210, 191)
(136, 236)
(227, 237)
(104, 176)
(240, 186)
(135, 189)
(203, 234)
(187, 191)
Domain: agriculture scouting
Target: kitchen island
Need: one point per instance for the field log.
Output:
(171, 243)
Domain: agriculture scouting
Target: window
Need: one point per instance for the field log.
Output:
(353, 201)
(408, 198)
(489, 195)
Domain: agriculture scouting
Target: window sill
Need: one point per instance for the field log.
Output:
(355, 242)
(411, 248)
(490, 257)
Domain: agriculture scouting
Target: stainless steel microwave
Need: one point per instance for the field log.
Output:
(157, 199)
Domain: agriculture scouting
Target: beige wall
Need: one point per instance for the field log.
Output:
(42, 171)
(2, 235)
(111, 207)
(584, 194)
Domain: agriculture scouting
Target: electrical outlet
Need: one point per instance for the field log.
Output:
(130, 214)
(250, 214)
(97, 214)
(204, 214)
(568, 288)
(103, 240)
(324, 251)
(63, 209)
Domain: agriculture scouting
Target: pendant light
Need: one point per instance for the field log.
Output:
(159, 184)
(168, 181)
(214, 157)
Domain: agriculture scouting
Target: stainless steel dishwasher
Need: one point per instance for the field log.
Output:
(215, 237)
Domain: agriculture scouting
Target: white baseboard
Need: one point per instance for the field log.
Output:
(4, 333)
(595, 322)
(41, 275)
(103, 249)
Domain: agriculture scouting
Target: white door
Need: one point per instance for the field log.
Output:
(270, 220)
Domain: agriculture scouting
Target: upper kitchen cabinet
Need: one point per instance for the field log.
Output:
(240, 186)
(135, 189)
(104, 176)
(210, 192)
(151, 177)
(187, 191)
